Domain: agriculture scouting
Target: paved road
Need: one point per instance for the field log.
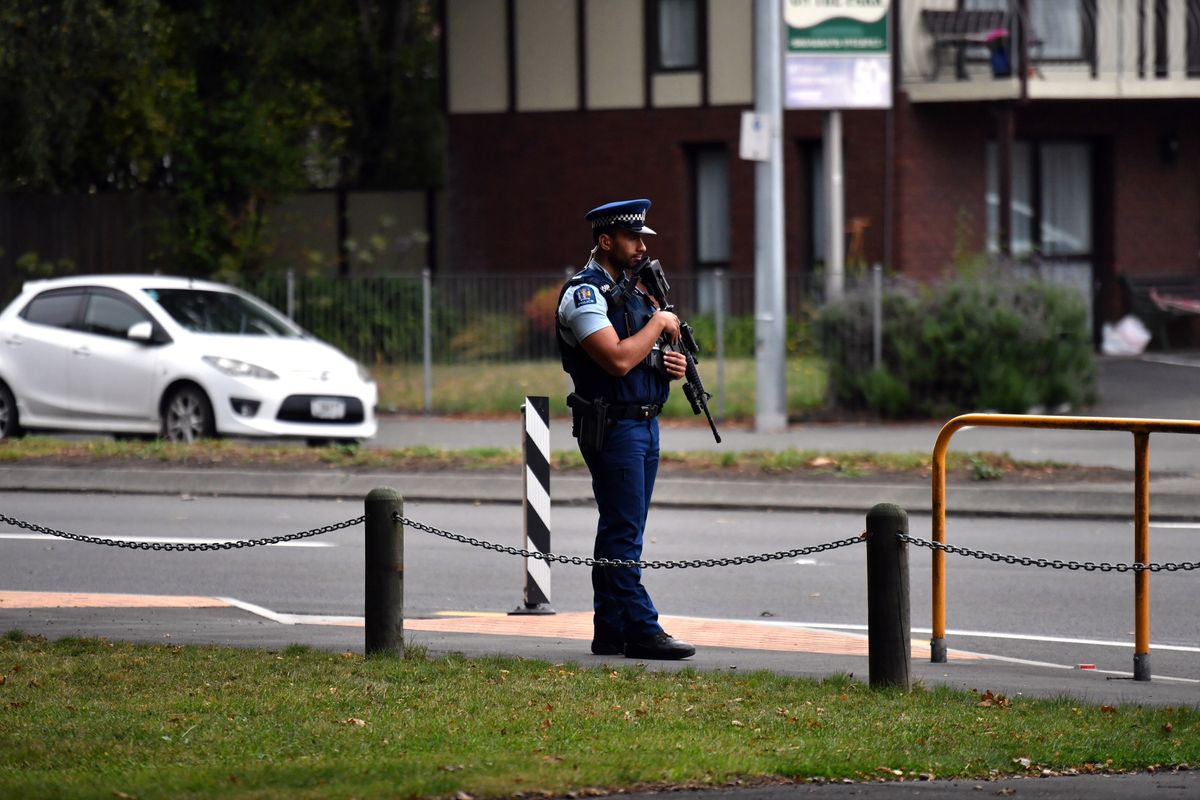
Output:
(1059, 618)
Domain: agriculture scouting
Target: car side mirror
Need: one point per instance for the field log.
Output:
(141, 332)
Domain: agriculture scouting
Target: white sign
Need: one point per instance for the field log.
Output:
(838, 54)
(755, 143)
(812, 13)
(831, 82)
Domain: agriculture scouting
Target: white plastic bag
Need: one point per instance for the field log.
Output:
(1128, 337)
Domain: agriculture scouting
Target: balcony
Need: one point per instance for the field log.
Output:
(976, 50)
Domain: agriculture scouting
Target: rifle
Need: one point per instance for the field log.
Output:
(650, 273)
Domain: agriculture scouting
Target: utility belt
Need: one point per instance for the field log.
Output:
(590, 419)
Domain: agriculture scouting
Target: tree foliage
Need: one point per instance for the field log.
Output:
(222, 106)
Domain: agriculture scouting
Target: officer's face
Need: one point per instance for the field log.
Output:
(626, 249)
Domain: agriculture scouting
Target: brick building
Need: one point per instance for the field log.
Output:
(558, 105)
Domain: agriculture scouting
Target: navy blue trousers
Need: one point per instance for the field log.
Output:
(622, 480)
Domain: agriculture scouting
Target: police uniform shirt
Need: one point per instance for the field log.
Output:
(583, 311)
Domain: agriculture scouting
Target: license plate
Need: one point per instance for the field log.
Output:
(325, 408)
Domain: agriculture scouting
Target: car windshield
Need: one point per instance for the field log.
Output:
(204, 311)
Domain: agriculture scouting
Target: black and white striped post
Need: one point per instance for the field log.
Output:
(536, 451)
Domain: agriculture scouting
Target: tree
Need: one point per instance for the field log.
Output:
(87, 93)
(395, 93)
(222, 106)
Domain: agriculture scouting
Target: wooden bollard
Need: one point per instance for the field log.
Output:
(889, 638)
(384, 547)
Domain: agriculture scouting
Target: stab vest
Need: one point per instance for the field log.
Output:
(641, 385)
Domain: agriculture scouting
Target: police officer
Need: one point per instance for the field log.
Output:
(608, 334)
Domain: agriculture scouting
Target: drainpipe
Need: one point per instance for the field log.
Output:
(1023, 51)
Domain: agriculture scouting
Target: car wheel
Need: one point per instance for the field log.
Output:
(10, 427)
(187, 416)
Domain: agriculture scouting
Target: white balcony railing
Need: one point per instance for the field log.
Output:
(1049, 49)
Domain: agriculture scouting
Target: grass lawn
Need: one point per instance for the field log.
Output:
(235, 454)
(501, 387)
(92, 718)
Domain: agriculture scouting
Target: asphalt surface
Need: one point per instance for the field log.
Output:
(1160, 387)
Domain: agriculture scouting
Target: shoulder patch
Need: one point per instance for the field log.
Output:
(585, 295)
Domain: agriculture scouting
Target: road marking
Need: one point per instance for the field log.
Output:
(1183, 526)
(1027, 637)
(1169, 360)
(1050, 665)
(159, 540)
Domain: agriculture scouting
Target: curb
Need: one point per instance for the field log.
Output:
(1170, 499)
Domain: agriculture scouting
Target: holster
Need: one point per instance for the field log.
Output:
(589, 421)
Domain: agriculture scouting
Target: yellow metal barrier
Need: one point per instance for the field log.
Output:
(1141, 430)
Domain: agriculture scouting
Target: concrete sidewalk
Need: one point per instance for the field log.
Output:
(1171, 497)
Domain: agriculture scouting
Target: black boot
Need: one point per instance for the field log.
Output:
(660, 646)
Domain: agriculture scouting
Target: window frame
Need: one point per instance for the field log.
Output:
(78, 292)
(120, 297)
(694, 154)
(654, 54)
(1037, 216)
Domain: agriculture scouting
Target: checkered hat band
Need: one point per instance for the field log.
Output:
(604, 222)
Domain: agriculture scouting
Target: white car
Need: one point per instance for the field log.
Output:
(174, 357)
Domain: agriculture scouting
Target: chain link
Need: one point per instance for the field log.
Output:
(1025, 561)
(190, 547)
(611, 562)
(983, 555)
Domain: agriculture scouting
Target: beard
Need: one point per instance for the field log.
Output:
(626, 264)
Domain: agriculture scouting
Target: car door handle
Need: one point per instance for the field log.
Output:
(14, 341)
(82, 352)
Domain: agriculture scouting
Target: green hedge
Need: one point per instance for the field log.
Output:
(989, 341)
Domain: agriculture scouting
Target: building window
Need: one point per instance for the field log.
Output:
(679, 26)
(710, 193)
(1051, 199)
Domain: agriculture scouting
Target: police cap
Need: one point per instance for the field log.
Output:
(627, 214)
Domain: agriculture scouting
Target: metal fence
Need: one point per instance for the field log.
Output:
(485, 317)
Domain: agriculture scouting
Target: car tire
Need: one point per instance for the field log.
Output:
(10, 425)
(187, 415)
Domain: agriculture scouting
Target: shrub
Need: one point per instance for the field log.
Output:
(740, 335)
(988, 340)
(488, 336)
(541, 310)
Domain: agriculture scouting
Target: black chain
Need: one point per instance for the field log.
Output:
(610, 562)
(1025, 561)
(189, 546)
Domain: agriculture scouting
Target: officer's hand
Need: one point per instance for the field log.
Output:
(675, 364)
(670, 324)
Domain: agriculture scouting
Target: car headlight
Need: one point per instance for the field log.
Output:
(239, 369)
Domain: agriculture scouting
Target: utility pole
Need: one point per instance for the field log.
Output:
(770, 322)
(835, 202)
